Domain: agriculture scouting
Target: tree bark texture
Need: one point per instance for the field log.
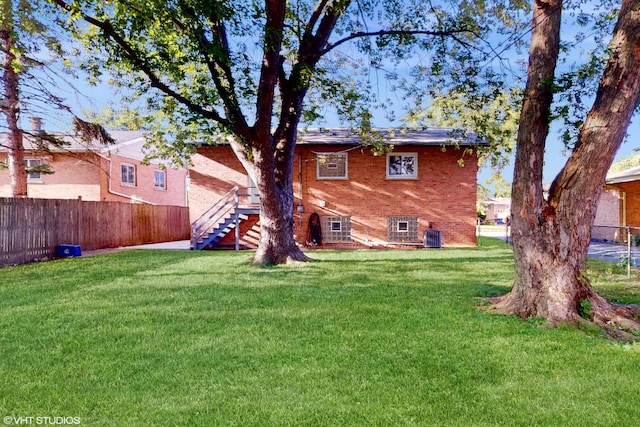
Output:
(273, 177)
(10, 103)
(272, 153)
(551, 236)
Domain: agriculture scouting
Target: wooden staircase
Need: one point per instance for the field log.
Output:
(221, 219)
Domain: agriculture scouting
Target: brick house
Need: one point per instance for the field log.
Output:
(619, 206)
(99, 173)
(362, 199)
(627, 186)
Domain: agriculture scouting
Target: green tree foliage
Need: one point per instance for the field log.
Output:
(491, 115)
(482, 193)
(125, 118)
(628, 162)
(257, 70)
(33, 61)
(500, 186)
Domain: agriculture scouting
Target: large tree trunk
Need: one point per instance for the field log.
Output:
(270, 165)
(551, 237)
(10, 104)
(277, 243)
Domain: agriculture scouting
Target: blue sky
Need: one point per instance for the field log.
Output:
(94, 98)
(556, 156)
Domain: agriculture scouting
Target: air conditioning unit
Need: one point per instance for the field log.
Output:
(432, 239)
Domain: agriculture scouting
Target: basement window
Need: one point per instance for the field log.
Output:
(336, 229)
(402, 229)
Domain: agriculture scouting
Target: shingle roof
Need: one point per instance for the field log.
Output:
(628, 175)
(75, 144)
(308, 136)
(343, 136)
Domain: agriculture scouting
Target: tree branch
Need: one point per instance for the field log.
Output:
(363, 34)
(140, 63)
(308, 30)
(309, 53)
(275, 11)
(219, 69)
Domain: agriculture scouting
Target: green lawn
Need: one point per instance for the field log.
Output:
(358, 338)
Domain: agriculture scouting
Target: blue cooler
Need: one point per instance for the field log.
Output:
(65, 251)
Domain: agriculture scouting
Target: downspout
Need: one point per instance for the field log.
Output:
(300, 209)
(623, 196)
(116, 193)
(187, 187)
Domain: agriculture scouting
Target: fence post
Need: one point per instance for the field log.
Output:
(628, 251)
(237, 218)
(194, 240)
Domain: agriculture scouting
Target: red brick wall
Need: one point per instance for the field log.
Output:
(444, 193)
(75, 177)
(85, 176)
(174, 195)
(632, 194)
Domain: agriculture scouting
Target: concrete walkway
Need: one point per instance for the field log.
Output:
(177, 245)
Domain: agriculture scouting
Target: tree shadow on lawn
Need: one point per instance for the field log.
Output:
(91, 269)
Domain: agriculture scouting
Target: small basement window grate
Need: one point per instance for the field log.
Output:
(402, 229)
(336, 229)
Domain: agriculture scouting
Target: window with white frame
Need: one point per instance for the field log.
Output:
(336, 228)
(127, 174)
(33, 176)
(332, 166)
(402, 165)
(403, 229)
(159, 180)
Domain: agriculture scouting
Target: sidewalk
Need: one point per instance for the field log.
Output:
(177, 245)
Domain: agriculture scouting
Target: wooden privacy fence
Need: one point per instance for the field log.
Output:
(31, 229)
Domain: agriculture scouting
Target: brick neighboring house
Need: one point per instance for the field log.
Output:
(627, 185)
(99, 173)
(619, 206)
(362, 199)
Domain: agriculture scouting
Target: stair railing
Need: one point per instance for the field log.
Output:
(212, 217)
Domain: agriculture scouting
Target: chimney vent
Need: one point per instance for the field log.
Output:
(36, 124)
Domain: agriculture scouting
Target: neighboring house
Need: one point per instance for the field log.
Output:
(362, 199)
(606, 226)
(619, 206)
(498, 209)
(99, 173)
(627, 184)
